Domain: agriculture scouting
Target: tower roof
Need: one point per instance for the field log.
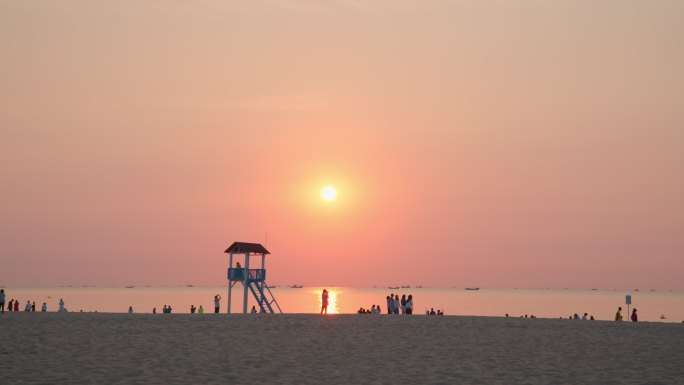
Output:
(244, 247)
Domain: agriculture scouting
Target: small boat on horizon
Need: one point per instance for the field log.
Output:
(129, 287)
(405, 286)
(472, 288)
(296, 286)
(393, 287)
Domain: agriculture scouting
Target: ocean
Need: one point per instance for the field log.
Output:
(658, 306)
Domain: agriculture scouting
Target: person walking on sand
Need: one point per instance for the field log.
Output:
(403, 304)
(16, 305)
(33, 306)
(61, 305)
(192, 309)
(2, 301)
(390, 303)
(200, 310)
(324, 301)
(28, 306)
(634, 315)
(618, 315)
(409, 305)
(217, 303)
(396, 304)
(10, 304)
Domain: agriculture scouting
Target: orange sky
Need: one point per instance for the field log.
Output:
(472, 143)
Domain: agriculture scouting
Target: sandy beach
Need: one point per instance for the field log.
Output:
(82, 348)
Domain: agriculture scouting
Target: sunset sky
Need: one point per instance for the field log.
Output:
(471, 143)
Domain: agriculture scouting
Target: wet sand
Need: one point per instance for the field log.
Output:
(90, 348)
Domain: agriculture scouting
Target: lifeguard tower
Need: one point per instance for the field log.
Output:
(253, 280)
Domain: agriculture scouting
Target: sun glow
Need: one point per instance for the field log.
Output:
(329, 193)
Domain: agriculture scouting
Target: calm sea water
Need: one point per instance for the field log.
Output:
(485, 302)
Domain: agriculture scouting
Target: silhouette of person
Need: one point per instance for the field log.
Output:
(324, 301)
(618, 315)
(217, 303)
(635, 318)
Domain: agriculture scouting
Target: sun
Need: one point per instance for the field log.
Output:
(329, 193)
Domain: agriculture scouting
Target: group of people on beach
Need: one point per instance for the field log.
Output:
(395, 305)
(433, 312)
(634, 317)
(13, 305)
(200, 310)
(373, 310)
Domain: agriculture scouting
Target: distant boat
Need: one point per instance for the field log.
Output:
(419, 287)
(189, 286)
(405, 286)
(296, 286)
(271, 287)
(594, 289)
(393, 287)
(636, 289)
(129, 287)
(472, 288)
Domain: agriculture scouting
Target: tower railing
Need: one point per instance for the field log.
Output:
(238, 274)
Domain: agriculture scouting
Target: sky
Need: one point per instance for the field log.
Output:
(471, 143)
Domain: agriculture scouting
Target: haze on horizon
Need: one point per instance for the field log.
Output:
(471, 143)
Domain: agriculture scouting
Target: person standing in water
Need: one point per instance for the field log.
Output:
(634, 315)
(324, 301)
(61, 305)
(217, 303)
